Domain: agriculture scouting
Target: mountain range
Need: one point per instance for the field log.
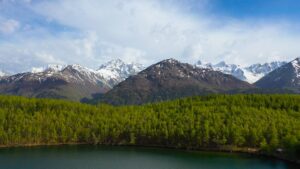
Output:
(249, 74)
(118, 82)
(171, 79)
(115, 71)
(72, 82)
(286, 76)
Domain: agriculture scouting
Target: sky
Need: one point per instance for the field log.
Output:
(34, 33)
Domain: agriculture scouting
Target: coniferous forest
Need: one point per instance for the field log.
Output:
(267, 123)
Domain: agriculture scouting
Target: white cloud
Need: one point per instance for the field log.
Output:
(149, 31)
(162, 31)
(9, 26)
(85, 50)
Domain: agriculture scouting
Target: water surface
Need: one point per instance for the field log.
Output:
(101, 157)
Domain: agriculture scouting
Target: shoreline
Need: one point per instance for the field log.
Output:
(225, 149)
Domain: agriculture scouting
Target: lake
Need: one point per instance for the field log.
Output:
(102, 157)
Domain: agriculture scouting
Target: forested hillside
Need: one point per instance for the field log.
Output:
(264, 122)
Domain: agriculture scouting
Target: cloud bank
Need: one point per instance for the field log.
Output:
(95, 31)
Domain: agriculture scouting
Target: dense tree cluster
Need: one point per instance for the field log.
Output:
(265, 122)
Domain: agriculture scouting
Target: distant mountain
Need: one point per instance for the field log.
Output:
(287, 76)
(133, 84)
(250, 74)
(72, 82)
(232, 69)
(53, 67)
(112, 72)
(117, 71)
(171, 79)
(260, 70)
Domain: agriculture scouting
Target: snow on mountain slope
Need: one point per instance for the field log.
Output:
(231, 69)
(71, 74)
(264, 68)
(287, 76)
(171, 79)
(81, 74)
(110, 73)
(116, 71)
(257, 71)
(250, 73)
(296, 65)
(72, 82)
(53, 67)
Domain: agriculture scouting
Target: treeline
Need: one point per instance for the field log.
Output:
(264, 122)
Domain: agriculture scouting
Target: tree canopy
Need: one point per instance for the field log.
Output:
(264, 122)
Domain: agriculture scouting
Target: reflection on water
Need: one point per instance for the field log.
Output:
(99, 157)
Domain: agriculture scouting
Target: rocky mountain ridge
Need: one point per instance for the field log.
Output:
(249, 74)
(170, 79)
(287, 76)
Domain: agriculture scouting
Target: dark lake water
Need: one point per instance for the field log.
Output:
(100, 157)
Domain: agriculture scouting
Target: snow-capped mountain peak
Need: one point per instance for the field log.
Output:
(296, 64)
(166, 62)
(170, 60)
(56, 67)
(223, 67)
(203, 65)
(250, 74)
(49, 67)
(81, 74)
(115, 63)
(287, 76)
(264, 68)
(116, 71)
(79, 68)
(110, 73)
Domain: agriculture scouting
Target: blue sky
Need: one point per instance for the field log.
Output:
(34, 33)
(268, 9)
